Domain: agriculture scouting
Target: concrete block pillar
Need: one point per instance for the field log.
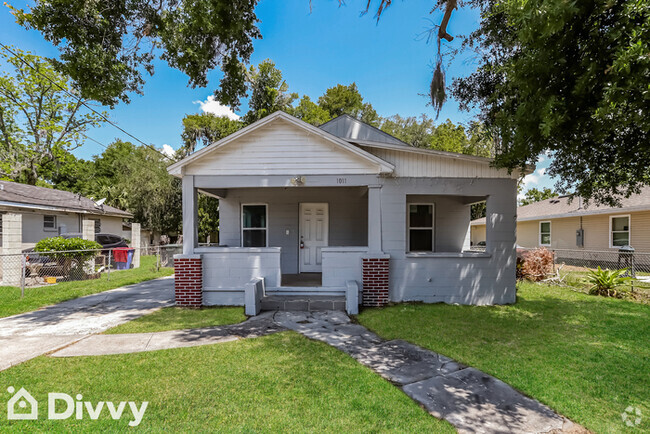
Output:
(188, 280)
(12, 243)
(88, 229)
(88, 233)
(376, 278)
(135, 243)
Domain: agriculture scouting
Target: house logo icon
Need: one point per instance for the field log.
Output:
(17, 406)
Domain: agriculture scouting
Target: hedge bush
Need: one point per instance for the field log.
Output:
(54, 245)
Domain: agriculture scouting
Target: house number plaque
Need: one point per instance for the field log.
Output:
(341, 180)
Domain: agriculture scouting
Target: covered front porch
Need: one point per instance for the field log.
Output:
(301, 241)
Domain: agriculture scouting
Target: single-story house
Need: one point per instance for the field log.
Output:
(561, 224)
(346, 209)
(46, 212)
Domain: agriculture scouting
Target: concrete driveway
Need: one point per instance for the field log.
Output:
(29, 335)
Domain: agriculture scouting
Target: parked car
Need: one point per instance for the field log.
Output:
(108, 241)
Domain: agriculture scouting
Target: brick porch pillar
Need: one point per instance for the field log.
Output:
(188, 280)
(375, 269)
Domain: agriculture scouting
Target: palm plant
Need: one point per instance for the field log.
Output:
(605, 282)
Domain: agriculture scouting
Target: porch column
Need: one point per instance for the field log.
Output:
(190, 215)
(375, 264)
(374, 218)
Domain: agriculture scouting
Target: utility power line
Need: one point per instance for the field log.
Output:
(83, 103)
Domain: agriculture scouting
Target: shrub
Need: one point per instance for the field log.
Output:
(535, 264)
(55, 245)
(605, 282)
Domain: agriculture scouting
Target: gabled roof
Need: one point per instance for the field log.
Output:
(16, 195)
(559, 207)
(176, 169)
(353, 130)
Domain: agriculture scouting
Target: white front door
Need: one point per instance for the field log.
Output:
(314, 235)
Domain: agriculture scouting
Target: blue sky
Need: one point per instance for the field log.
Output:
(390, 62)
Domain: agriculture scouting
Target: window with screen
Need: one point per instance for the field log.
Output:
(254, 225)
(49, 222)
(620, 231)
(98, 225)
(545, 233)
(420, 227)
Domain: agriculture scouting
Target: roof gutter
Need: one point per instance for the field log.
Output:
(9, 204)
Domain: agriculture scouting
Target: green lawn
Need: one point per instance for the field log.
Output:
(585, 356)
(11, 303)
(278, 383)
(178, 318)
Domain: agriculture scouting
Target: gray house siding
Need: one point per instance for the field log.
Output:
(348, 217)
(450, 276)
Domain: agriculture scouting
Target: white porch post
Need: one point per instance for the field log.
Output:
(190, 216)
(374, 218)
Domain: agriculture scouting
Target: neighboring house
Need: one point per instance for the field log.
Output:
(557, 224)
(46, 212)
(322, 210)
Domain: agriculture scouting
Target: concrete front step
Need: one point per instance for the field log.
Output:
(306, 291)
(308, 303)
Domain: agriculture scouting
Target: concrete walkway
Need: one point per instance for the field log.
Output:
(101, 345)
(29, 335)
(469, 399)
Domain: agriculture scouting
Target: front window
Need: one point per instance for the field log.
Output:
(254, 225)
(420, 227)
(620, 231)
(98, 225)
(49, 222)
(545, 233)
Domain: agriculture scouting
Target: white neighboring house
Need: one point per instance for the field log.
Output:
(344, 209)
(46, 212)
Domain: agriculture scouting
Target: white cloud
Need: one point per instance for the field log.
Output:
(541, 171)
(210, 105)
(531, 180)
(168, 150)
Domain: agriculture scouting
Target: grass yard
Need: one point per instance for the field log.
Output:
(278, 383)
(178, 318)
(35, 298)
(585, 356)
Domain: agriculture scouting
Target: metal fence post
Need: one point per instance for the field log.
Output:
(108, 277)
(22, 276)
(157, 258)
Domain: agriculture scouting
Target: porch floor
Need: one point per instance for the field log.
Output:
(302, 279)
(303, 302)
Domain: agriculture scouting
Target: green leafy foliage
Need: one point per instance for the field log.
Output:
(605, 282)
(205, 128)
(569, 78)
(40, 124)
(59, 247)
(268, 91)
(536, 195)
(107, 46)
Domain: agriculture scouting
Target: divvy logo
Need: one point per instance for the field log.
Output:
(61, 406)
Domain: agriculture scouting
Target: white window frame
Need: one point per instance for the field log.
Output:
(611, 233)
(433, 225)
(241, 222)
(48, 229)
(550, 233)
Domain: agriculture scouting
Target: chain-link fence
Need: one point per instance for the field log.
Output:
(583, 260)
(31, 268)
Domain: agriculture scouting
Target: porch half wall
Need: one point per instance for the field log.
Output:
(348, 217)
